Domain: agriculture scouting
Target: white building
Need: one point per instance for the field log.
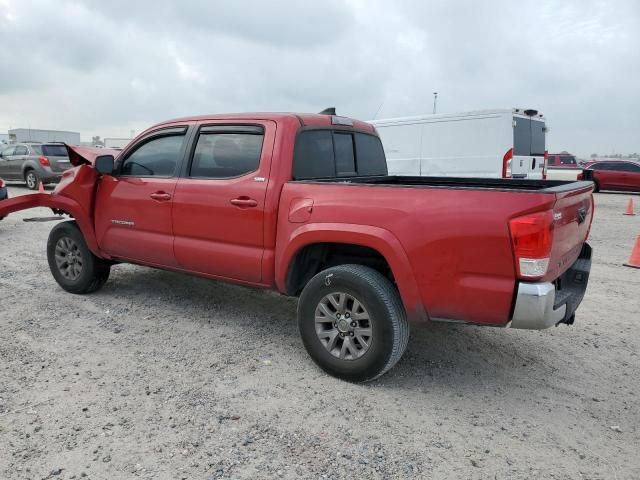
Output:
(17, 135)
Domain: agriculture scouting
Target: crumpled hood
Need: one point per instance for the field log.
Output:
(87, 155)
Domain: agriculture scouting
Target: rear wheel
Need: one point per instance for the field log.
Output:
(352, 322)
(31, 179)
(72, 264)
(596, 187)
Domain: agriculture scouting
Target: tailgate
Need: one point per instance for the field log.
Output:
(572, 213)
(60, 164)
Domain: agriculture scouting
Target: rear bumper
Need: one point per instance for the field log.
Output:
(50, 177)
(542, 305)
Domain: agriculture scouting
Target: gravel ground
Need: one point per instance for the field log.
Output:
(162, 375)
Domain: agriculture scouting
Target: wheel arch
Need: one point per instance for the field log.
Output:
(377, 246)
(59, 204)
(26, 166)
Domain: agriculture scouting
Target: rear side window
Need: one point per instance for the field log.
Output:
(624, 167)
(54, 150)
(631, 167)
(157, 157)
(329, 154)
(220, 154)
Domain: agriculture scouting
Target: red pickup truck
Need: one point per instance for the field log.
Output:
(303, 203)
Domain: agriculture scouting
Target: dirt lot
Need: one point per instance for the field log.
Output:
(162, 375)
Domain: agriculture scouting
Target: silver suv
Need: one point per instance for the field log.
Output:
(34, 163)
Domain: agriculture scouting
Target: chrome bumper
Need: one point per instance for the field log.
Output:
(542, 305)
(534, 307)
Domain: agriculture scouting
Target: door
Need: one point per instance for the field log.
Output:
(218, 211)
(629, 176)
(133, 207)
(529, 144)
(8, 164)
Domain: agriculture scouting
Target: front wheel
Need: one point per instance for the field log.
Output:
(72, 264)
(352, 322)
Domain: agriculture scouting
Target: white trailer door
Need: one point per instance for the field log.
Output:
(528, 147)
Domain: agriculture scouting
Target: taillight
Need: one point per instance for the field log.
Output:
(580, 176)
(546, 162)
(1, 183)
(44, 161)
(506, 163)
(532, 237)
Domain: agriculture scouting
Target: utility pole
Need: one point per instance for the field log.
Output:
(435, 101)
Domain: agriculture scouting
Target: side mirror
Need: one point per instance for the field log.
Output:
(104, 164)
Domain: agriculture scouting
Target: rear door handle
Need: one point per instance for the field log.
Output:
(244, 202)
(161, 196)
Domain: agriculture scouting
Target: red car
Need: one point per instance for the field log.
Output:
(613, 175)
(303, 204)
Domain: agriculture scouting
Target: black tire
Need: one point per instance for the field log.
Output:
(596, 187)
(32, 179)
(91, 273)
(382, 304)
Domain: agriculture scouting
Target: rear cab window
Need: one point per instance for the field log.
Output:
(331, 153)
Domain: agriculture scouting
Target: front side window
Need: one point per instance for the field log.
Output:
(157, 157)
(220, 154)
(7, 152)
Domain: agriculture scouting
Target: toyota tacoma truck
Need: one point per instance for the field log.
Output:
(303, 203)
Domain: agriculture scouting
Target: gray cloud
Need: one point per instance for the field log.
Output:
(108, 67)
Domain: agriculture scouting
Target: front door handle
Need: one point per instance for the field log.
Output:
(244, 202)
(161, 196)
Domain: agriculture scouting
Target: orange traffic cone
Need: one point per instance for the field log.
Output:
(40, 188)
(629, 210)
(634, 259)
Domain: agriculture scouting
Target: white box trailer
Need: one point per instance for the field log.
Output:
(502, 143)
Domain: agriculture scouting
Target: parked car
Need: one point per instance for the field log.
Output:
(502, 143)
(33, 163)
(303, 204)
(4, 193)
(563, 159)
(613, 175)
(562, 166)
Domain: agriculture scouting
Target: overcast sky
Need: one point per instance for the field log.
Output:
(105, 67)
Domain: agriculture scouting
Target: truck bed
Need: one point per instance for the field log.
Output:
(455, 231)
(537, 186)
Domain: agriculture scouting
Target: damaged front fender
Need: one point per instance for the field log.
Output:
(73, 196)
